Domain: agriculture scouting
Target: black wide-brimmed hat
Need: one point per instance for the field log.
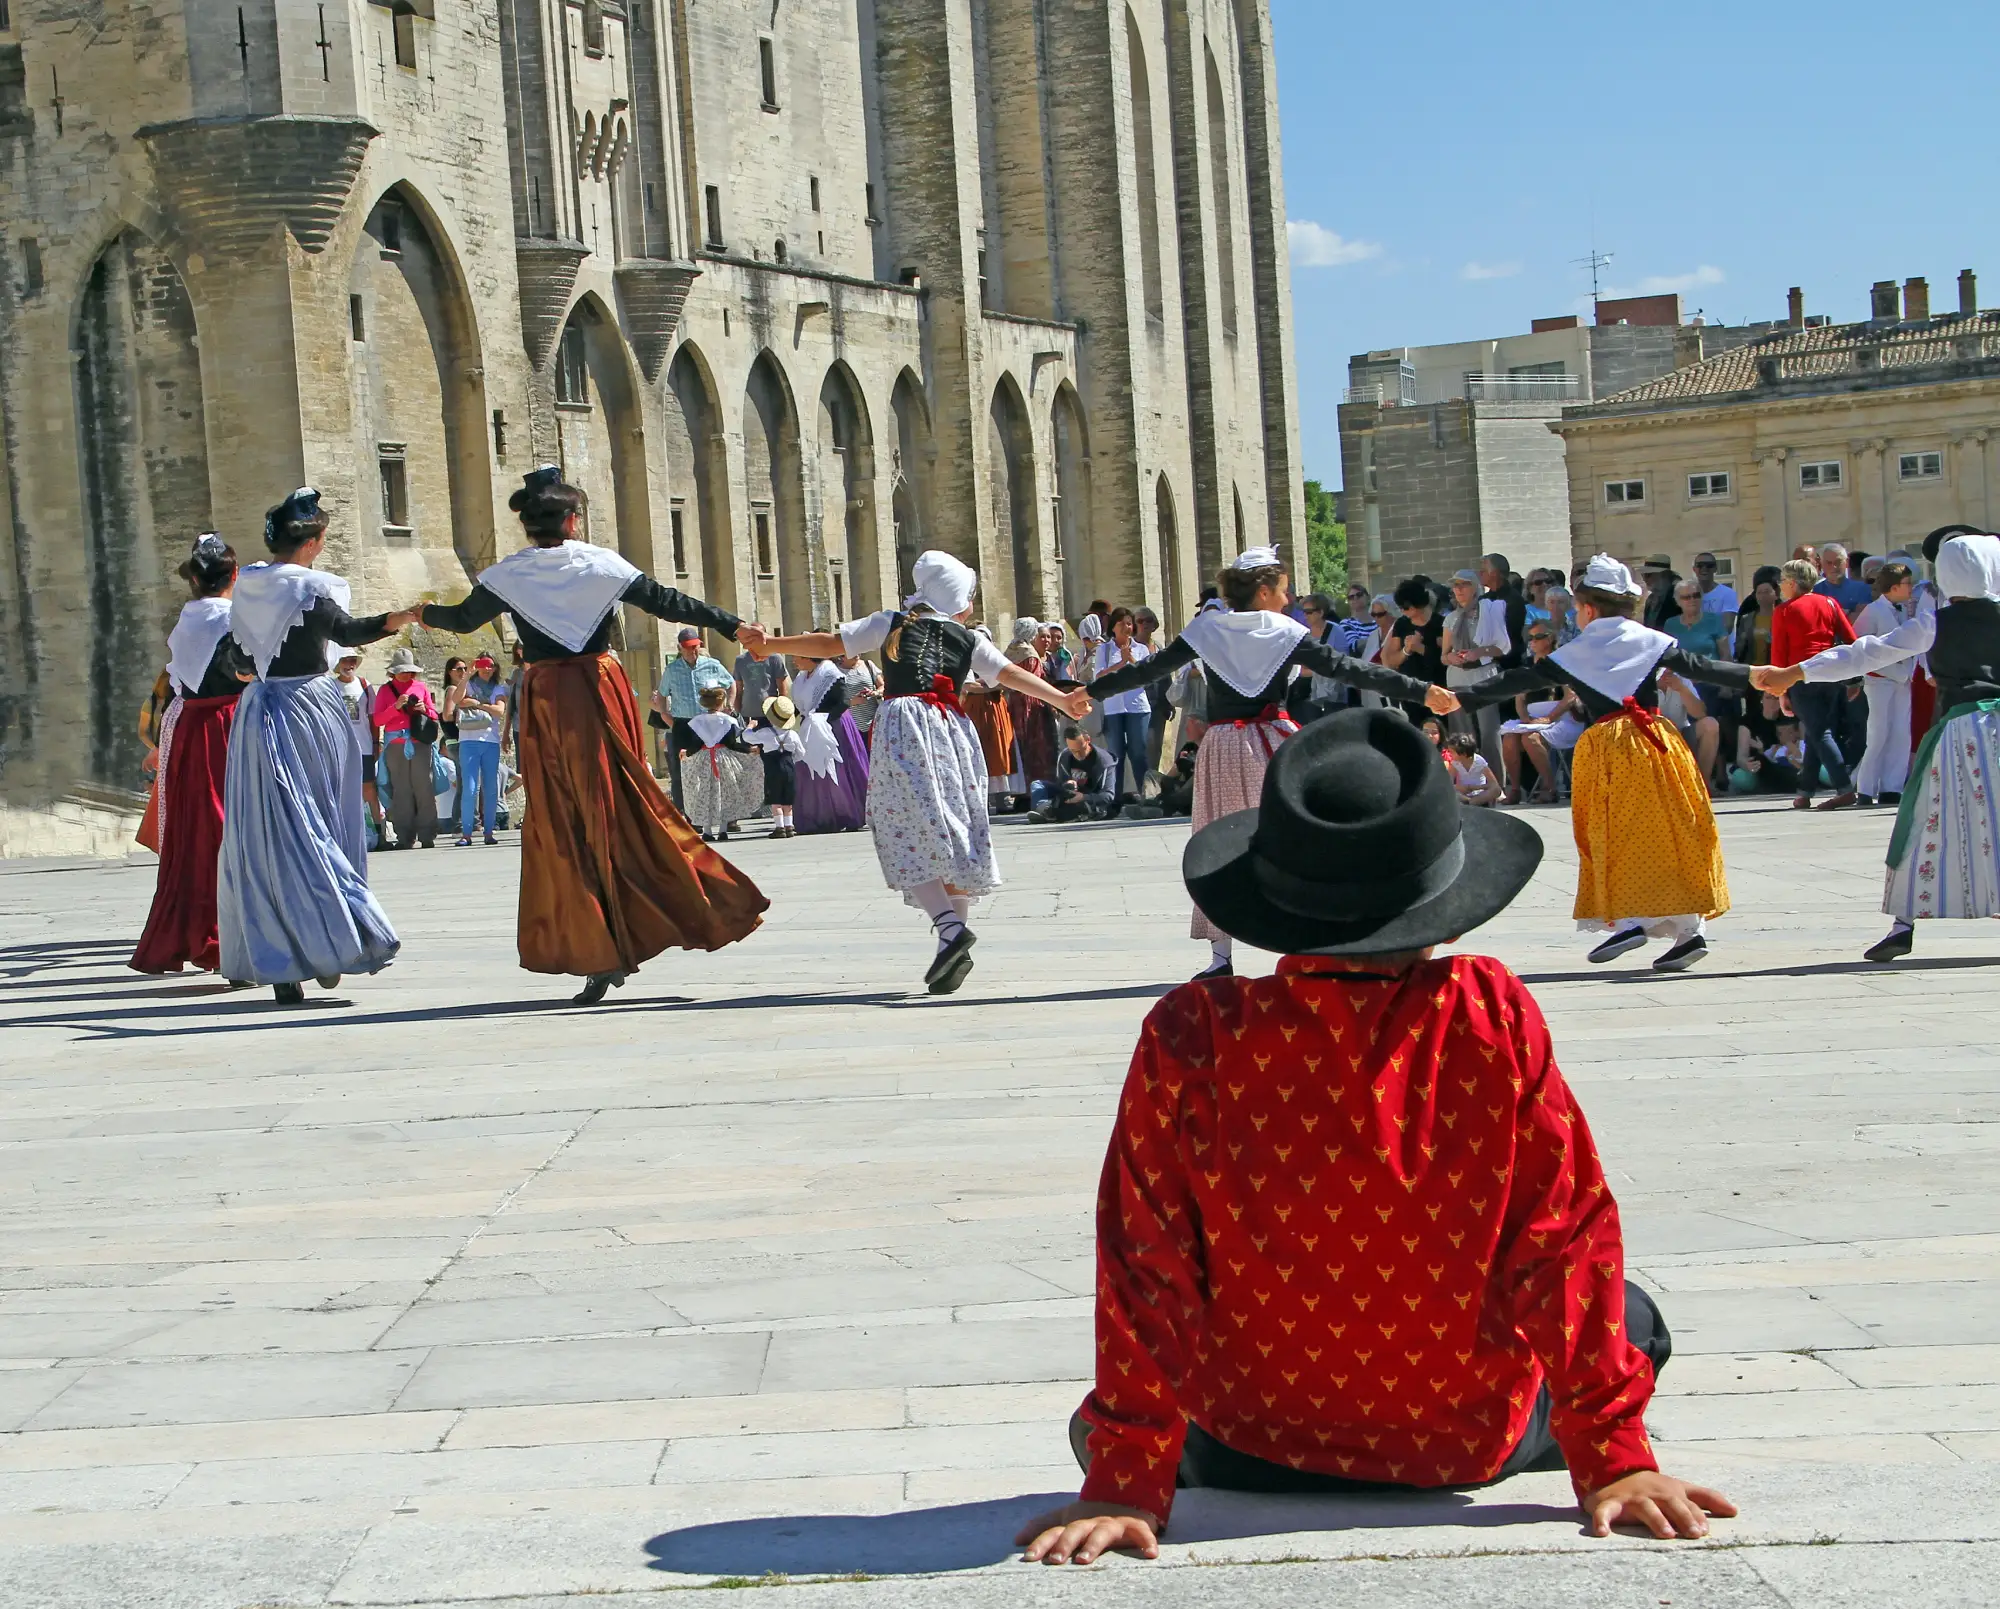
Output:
(1942, 535)
(1360, 847)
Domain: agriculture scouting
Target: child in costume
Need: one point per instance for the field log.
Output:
(776, 733)
(1944, 855)
(723, 778)
(927, 783)
(1649, 861)
(1352, 1230)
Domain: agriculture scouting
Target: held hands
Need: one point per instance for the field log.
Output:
(752, 637)
(1441, 701)
(400, 618)
(1075, 703)
(1776, 678)
(1667, 1507)
(1085, 1531)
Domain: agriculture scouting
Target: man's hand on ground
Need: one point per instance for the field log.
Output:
(1665, 1506)
(1086, 1531)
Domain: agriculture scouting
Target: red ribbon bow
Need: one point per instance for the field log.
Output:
(942, 694)
(1647, 720)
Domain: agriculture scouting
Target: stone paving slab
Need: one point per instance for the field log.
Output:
(440, 1290)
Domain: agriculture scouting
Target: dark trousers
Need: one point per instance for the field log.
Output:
(1206, 1462)
(1818, 706)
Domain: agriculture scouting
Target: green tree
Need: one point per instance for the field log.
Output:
(1326, 542)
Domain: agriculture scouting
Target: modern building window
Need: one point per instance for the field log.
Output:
(677, 529)
(1702, 488)
(572, 369)
(1558, 368)
(357, 320)
(405, 28)
(1820, 476)
(767, 64)
(713, 199)
(766, 562)
(394, 471)
(1624, 493)
(1920, 466)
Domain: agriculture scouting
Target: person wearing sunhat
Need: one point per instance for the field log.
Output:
(611, 872)
(1249, 651)
(292, 895)
(1944, 854)
(775, 732)
(927, 777)
(1352, 1229)
(406, 714)
(1649, 860)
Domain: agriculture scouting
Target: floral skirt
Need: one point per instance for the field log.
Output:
(1645, 832)
(927, 799)
(1950, 861)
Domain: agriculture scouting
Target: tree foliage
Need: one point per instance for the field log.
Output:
(1326, 542)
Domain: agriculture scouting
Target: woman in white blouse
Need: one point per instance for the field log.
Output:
(1127, 716)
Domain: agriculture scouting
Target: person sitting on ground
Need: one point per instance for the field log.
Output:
(1352, 1229)
(1682, 706)
(1082, 790)
(1470, 773)
(1177, 786)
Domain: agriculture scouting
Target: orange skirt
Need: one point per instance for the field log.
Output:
(988, 713)
(611, 873)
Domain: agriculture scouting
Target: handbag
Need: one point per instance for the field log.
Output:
(423, 728)
(444, 775)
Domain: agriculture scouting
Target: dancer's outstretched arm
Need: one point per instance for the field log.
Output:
(809, 644)
(1075, 703)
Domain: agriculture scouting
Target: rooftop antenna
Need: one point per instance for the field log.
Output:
(1596, 262)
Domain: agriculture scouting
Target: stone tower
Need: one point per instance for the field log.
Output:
(793, 289)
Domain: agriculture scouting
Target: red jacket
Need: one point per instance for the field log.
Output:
(1809, 624)
(1350, 1225)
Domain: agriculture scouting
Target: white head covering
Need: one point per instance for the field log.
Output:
(1606, 574)
(1255, 559)
(945, 583)
(1969, 567)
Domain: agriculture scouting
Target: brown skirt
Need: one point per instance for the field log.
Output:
(987, 711)
(611, 873)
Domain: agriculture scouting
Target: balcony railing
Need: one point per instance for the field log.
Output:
(1523, 387)
(1363, 393)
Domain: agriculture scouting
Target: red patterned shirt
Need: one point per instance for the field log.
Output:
(1348, 1224)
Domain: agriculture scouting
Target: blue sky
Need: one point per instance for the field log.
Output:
(1445, 164)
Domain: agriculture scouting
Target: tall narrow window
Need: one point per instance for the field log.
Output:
(868, 193)
(395, 488)
(389, 226)
(1147, 170)
(713, 197)
(406, 39)
(572, 369)
(677, 527)
(593, 27)
(31, 267)
(814, 182)
(1219, 156)
(766, 563)
(500, 434)
(6, 17)
(767, 62)
(357, 321)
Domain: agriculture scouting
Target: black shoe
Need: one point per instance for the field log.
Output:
(1891, 801)
(1623, 942)
(289, 994)
(1894, 946)
(239, 983)
(1221, 969)
(946, 962)
(491, 840)
(597, 986)
(1041, 818)
(1683, 955)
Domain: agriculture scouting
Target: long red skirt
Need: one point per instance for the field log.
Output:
(194, 758)
(611, 872)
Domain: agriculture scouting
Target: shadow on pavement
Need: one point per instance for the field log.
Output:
(970, 1536)
(1807, 969)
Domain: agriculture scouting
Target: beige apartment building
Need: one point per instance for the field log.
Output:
(1868, 434)
(792, 291)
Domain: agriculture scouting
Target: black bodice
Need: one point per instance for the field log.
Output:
(920, 649)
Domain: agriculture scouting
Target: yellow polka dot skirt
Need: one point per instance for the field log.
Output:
(1645, 834)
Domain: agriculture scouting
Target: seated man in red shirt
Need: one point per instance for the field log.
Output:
(1807, 623)
(1352, 1231)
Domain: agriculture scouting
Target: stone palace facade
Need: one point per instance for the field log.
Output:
(793, 288)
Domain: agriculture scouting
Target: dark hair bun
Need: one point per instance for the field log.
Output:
(210, 566)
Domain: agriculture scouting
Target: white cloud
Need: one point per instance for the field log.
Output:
(1667, 284)
(1314, 246)
(1489, 271)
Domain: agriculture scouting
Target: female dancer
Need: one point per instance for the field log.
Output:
(611, 872)
(1649, 859)
(194, 754)
(1035, 733)
(1944, 856)
(927, 786)
(294, 902)
(986, 707)
(1249, 651)
(833, 775)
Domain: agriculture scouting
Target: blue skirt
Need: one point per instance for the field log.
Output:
(293, 900)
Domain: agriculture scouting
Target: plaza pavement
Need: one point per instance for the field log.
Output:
(441, 1291)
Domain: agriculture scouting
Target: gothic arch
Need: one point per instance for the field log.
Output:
(915, 454)
(1010, 459)
(1168, 532)
(1222, 192)
(1076, 550)
(1146, 153)
(698, 478)
(846, 483)
(142, 455)
(410, 291)
(788, 586)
